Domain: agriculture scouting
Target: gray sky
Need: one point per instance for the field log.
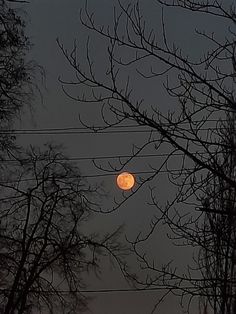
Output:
(50, 19)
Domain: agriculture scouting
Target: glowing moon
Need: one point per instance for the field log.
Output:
(125, 181)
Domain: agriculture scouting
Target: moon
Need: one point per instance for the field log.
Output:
(125, 181)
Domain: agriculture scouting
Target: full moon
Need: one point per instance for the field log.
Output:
(125, 181)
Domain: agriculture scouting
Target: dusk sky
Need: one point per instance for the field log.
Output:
(48, 20)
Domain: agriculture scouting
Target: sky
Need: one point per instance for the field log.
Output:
(52, 19)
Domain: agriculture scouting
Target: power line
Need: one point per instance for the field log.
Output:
(72, 128)
(115, 173)
(107, 157)
(40, 132)
(84, 130)
(93, 291)
(36, 132)
(82, 176)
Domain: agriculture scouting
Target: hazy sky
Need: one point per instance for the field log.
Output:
(51, 19)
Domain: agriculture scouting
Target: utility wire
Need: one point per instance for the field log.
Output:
(38, 132)
(72, 128)
(59, 132)
(115, 173)
(106, 157)
(84, 130)
(92, 291)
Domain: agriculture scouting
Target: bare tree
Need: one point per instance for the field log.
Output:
(17, 81)
(199, 128)
(44, 252)
(217, 235)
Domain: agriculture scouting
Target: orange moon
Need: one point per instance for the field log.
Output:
(125, 181)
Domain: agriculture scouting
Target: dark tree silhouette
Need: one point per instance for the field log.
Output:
(44, 200)
(197, 134)
(44, 252)
(217, 235)
(17, 80)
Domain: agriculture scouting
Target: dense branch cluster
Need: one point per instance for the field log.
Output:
(44, 202)
(43, 250)
(200, 126)
(16, 74)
